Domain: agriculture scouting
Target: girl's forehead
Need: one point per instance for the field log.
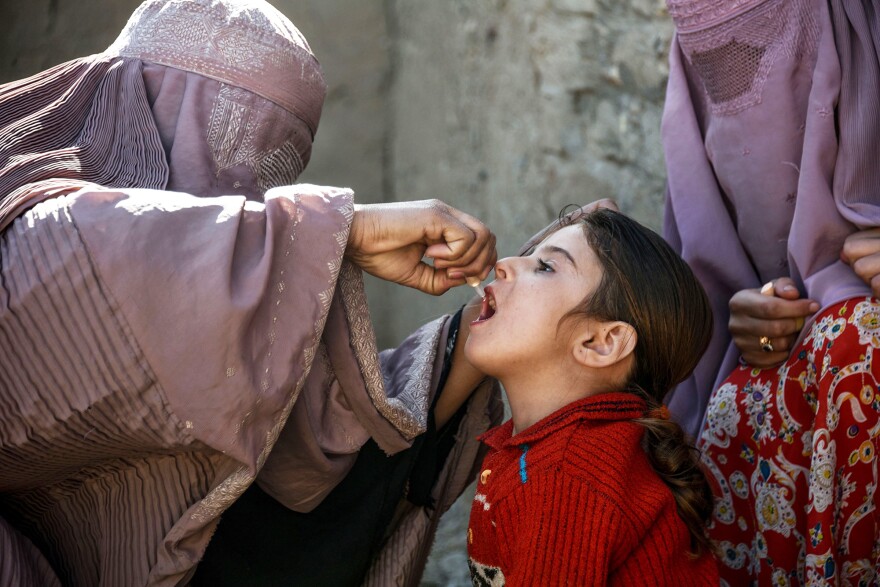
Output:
(573, 232)
(572, 236)
(566, 232)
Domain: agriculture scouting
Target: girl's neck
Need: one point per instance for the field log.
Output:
(532, 399)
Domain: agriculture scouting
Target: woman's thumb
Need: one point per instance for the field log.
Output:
(782, 287)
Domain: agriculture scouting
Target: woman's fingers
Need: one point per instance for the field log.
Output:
(867, 268)
(764, 325)
(432, 280)
(751, 302)
(764, 343)
(391, 241)
(468, 248)
(454, 235)
(749, 327)
(479, 267)
(861, 244)
(862, 251)
(783, 287)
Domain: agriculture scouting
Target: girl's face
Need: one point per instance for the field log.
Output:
(519, 325)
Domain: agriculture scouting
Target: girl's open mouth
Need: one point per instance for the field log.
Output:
(487, 310)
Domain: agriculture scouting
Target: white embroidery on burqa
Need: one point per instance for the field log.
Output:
(278, 167)
(723, 510)
(826, 331)
(235, 124)
(774, 490)
(758, 403)
(788, 426)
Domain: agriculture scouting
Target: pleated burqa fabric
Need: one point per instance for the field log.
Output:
(169, 303)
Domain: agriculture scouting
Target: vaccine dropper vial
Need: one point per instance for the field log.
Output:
(474, 282)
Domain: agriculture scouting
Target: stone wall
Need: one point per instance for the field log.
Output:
(507, 109)
(512, 109)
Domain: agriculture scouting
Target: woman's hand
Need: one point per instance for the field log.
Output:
(390, 241)
(775, 312)
(861, 251)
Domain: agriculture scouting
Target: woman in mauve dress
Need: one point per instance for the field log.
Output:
(180, 325)
(770, 133)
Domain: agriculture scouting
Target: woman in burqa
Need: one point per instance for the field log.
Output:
(770, 132)
(166, 349)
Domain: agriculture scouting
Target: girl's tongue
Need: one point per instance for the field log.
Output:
(487, 310)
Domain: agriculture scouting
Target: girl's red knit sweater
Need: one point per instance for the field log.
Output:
(573, 500)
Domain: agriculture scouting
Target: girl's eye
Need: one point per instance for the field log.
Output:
(544, 266)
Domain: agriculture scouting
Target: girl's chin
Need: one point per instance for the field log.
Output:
(474, 355)
(485, 363)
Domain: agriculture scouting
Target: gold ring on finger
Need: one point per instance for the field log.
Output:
(766, 345)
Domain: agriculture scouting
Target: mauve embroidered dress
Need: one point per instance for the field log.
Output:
(770, 133)
(160, 352)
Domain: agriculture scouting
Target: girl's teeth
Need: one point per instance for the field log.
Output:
(492, 303)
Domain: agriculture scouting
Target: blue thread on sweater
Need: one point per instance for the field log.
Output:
(522, 463)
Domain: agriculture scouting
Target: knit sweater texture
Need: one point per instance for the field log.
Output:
(573, 500)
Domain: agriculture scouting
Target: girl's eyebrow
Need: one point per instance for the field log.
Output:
(561, 251)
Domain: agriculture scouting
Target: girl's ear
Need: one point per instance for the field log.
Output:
(604, 344)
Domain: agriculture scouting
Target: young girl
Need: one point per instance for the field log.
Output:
(589, 482)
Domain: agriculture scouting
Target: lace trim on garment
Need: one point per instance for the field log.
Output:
(231, 488)
(233, 135)
(417, 390)
(278, 167)
(408, 411)
(692, 15)
(733, 59)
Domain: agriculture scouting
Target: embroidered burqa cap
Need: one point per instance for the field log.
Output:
(244, 43)
(208, 97)
(162, 352)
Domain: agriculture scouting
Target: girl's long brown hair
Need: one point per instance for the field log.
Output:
(647, 285)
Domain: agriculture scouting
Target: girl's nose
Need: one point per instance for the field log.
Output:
(504, 268)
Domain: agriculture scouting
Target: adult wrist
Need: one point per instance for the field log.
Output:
(355, 231)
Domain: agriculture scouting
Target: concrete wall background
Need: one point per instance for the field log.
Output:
(512, 109)
(506, 109)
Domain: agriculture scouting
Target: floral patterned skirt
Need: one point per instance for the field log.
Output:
(791, 456)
